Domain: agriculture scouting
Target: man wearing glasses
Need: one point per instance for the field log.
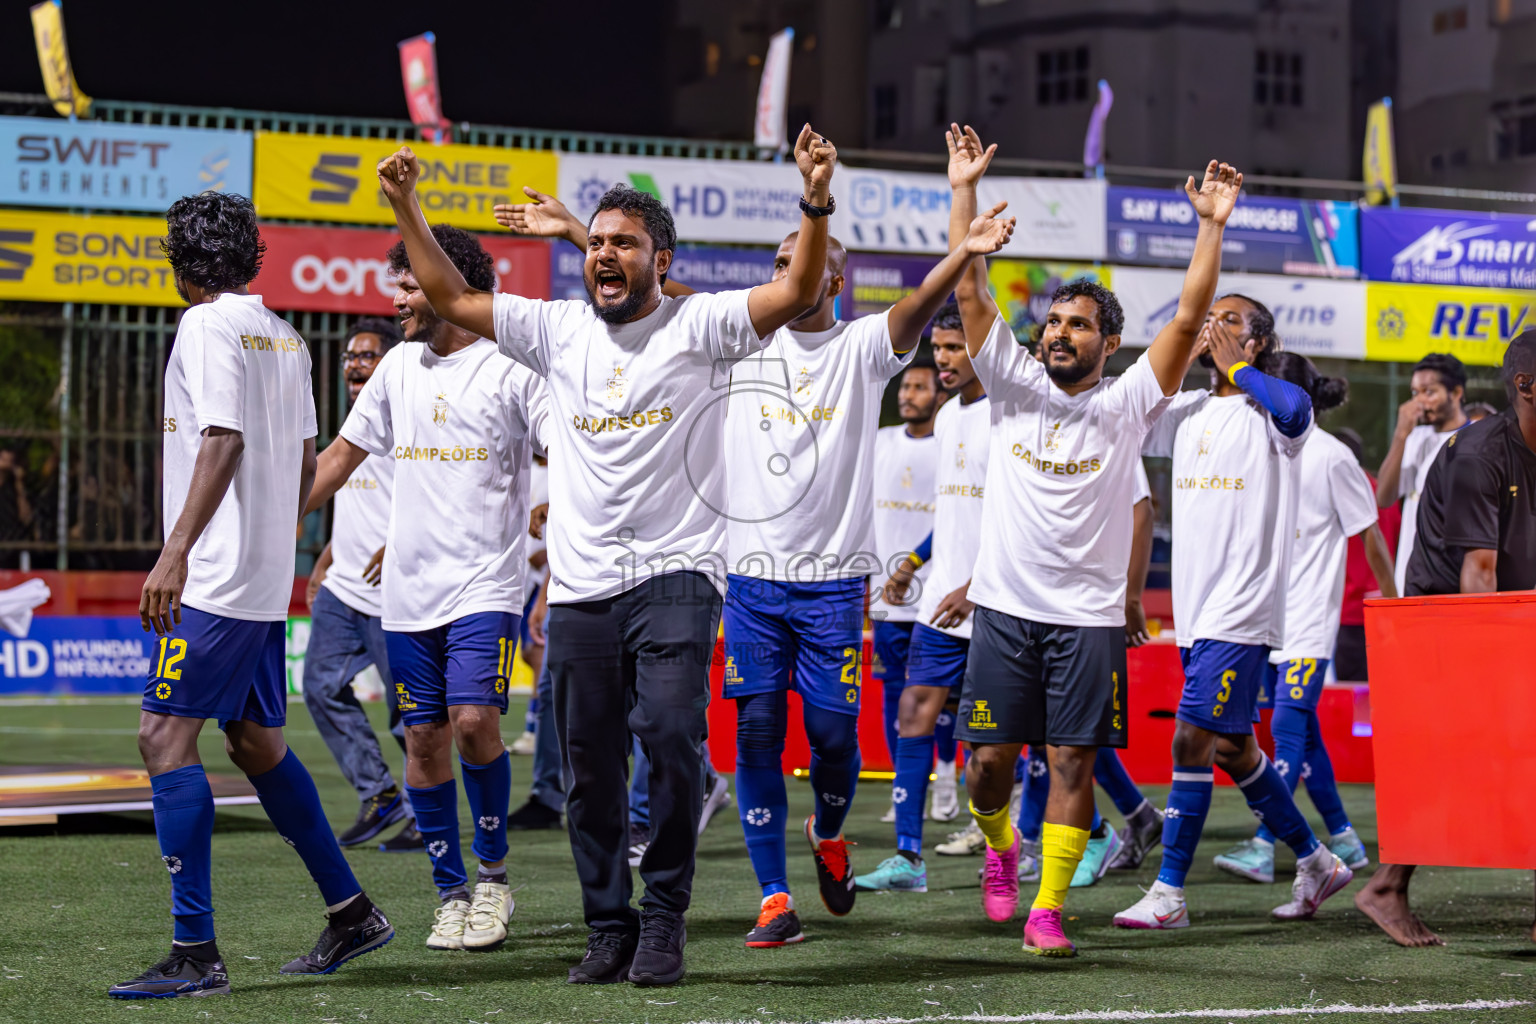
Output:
(346, 631)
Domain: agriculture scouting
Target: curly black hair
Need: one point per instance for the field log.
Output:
(1519, 358)
(388, 331)
(1261, 327)
(211, 240)
(464, 251)
(653, 213)
(1326, 392)
(1452, 374)
(1111, 316)
(947, 318)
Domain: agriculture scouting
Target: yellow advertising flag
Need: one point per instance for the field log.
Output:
(331, 178)
(59, 257)
(1405, 322)
(1379, 164)
(53, 56)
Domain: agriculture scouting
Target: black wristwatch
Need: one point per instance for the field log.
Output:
(819, 211)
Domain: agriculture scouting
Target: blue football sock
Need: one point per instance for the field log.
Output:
(1270, 798)
(835, 764)
(184, 826)
(890, 711)
(1112, 777)
(488, 788)
(760, 794)
(1289, 728)
(437, 819)
(1317, 773)
(914, 758)
(1037, 789)
(1189, 801)
(944, 737)
(1098, 820)
(289, 797)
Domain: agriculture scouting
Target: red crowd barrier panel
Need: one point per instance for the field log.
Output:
(1454, 713)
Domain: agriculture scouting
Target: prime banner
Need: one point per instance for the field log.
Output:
(330, 178)
(46, 161)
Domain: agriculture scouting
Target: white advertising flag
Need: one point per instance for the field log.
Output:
(773, 93)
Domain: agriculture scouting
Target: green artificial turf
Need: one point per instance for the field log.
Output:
(86, 903)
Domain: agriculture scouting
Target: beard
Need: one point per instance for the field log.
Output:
(424, 327)
(915, 413)
(637, 293)
(1072, 372)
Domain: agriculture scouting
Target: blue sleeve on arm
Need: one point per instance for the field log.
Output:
(924, 550)
(1289, 405)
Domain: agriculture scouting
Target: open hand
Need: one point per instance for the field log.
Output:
(954, 609)
(373, 572)
(967, 160)
(1136, 632)
(989, 233)
(815, 156)
(1217, 194)
(1223, 346)
(544, 217)
(160, 601)
(398, 174)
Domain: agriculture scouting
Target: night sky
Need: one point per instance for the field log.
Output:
(589, 65)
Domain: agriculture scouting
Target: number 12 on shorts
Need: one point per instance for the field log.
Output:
(177, 650)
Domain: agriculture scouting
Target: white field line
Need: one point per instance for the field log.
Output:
(1335, 1009)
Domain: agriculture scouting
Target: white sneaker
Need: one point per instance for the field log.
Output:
(1029, 861)
(890, 814)
(966, 843)
(1318, 876)
(1016, 801)
(448, 925)
(1162, 907)
(489, 912)
(719, 796)
(525, 745)
(945, 802)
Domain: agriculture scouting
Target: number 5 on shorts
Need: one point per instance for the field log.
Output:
(1227, 678)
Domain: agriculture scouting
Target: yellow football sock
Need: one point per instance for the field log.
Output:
(1061, 848)
(995, 826)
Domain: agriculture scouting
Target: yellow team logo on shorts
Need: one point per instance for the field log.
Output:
(163, 690)
(981, 716)
(501, 684)
(403, 698)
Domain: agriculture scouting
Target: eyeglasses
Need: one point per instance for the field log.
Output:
(360, 357)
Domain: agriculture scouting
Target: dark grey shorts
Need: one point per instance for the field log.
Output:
(1030, 682)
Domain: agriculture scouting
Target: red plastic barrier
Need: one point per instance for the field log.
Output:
(108, 593)
(1455, 714)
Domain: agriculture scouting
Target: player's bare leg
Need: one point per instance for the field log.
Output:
(1385, 901)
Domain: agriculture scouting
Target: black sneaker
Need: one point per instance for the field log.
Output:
(180, 974)
(531, 817)
(834, 872)
(407, 840)
(607, 960)
(639, 842)
(376, 814)
(659, 957)
(352, 931)
(777, 923)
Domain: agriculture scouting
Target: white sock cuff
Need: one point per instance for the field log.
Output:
(1251, 779)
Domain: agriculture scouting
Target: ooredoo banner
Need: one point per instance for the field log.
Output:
(343, 270)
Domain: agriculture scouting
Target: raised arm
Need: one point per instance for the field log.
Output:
(217, 459)
(451, 296)
(1213, 202)
(981, 237)
(775, 304)
(339, 461)
(967, 163)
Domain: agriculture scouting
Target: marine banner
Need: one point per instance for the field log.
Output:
(1452, 247)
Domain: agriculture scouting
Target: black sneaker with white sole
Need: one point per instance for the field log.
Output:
(358, 928)
(188, 971)
(407, 840)
(375, 815)
(659, 957)
(639, 842)
(607, 960)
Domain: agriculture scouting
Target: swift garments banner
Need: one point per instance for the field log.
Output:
(330, 178)
(1405, 322)
(57, 257)
(343, 270)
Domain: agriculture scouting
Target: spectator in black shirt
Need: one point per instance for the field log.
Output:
(1477, 534)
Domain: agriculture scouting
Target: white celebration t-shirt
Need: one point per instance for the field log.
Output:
(637, 478)
(358, 530)
(457, 428)
(903, 513)
(1335, 502)
(1234, 517)
(1056, 527)
(960, 481)
(800, 432)
(1419, 451)
(238, 366)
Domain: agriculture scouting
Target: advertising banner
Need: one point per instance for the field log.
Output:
(78, 654)
(874, 282)
(1313, 316)
(1406, 322)
(773, 93)
(56, 257)
(418, 72)
(1316, 238)
(1378, 163)
(893, 211)
(329, 178)
(343, 270)
(47, 162)
(1450, 247)
(53, 58)
(702, 268)
(1023, 288)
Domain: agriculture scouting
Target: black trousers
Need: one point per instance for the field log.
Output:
(634, 664)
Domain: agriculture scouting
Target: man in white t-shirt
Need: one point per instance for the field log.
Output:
(1335, 502)
(1425, 422)
(345, 631)
(1047, 657)
(904, 462)
(239, 426)
(454, 415)
(1235, 452)
(941, 636)
(638, 386)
